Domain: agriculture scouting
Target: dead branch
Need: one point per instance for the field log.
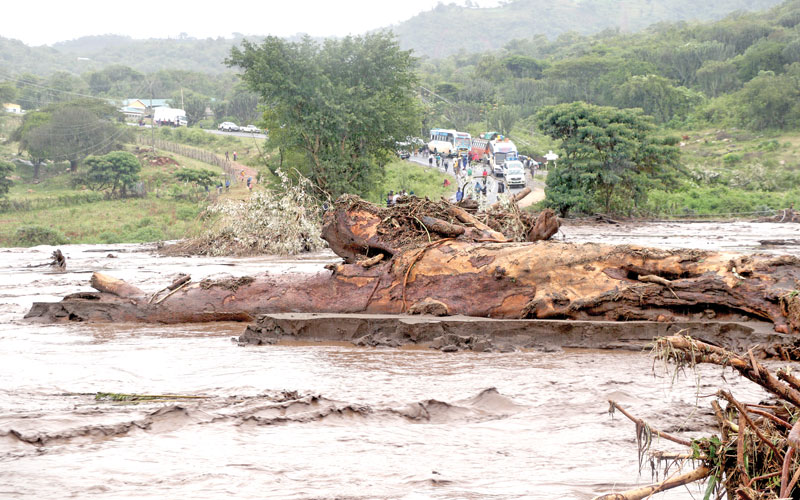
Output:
(700, 352)
(642, 423)
(669, 483)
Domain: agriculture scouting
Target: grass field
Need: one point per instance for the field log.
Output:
(63, 214)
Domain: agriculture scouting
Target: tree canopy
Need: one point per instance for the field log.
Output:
(345, 104)
(71, 131)
(117, 171)
(611, 157)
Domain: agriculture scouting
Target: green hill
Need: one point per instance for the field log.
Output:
(440, 32)
(448, 29)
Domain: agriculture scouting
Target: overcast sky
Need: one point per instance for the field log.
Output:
(45, 22)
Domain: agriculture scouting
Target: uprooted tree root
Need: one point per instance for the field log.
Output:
(754, 456)
(414, 222)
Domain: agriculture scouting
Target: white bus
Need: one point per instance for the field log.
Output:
(449, 142)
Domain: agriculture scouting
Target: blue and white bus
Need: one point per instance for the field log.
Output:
(449, 142)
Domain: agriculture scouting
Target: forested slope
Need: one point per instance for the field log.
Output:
(448, 29)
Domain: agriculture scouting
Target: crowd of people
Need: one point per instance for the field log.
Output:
(393, 196)
(465, 171)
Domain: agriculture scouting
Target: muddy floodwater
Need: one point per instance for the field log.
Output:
(324, 421)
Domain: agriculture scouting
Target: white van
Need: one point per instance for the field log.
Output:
(514, 173)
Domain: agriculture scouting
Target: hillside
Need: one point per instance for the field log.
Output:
(443, 31)
(448, 29)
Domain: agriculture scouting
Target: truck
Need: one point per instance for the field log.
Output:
(500, 149)
(170, 116)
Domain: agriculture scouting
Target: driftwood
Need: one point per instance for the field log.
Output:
(667, 484)
(478, 272)
(751, 459)
(59, 261)
(113, 286)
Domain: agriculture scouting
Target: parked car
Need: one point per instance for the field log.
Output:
(228, 127)
(251, 129)
(404, 155)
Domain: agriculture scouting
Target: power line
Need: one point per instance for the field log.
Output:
(7, 77)
(517, 139)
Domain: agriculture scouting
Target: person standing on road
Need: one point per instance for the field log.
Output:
(459, 195)
(501, 188)
(430, 161)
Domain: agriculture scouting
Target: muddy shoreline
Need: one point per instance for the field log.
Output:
(463, 333)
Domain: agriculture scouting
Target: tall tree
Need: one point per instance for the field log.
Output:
(610, 157)
(71, 131)
(657, 97)
(345, 103)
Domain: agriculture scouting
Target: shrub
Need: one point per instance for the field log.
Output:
(108, 237)
(29, 236)
(186, 212)
(147, 234)
(731, 159)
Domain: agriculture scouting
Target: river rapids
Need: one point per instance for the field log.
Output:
(310, 421)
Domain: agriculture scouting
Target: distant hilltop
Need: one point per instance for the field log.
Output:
(448, 29)
(440, 32)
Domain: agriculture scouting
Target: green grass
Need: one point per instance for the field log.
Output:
(423, 181)
(247, 148)
(61, 214)
(131, 220)
(733, 171)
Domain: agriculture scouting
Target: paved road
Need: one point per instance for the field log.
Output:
(537, 187)
(237, 134)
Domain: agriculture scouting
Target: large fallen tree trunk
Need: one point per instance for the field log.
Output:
(461, 263)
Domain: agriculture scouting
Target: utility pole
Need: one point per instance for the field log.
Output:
(152, 121)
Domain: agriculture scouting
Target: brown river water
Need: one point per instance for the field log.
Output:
(324, 421)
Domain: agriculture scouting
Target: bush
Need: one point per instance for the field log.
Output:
(147, 235)
(29, 236)
(731, 159)
(718, 200)
(769, 146)
(109, 237)
(186, 212)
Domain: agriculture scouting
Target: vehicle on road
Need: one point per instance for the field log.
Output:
(514, 173)
(448, 142)
(170, 116)
(404, 155)
(228, 127)
(497, 170)
(250, 129)
(500, 149)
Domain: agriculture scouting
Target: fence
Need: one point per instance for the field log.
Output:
(64, 200)
(190, 152)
